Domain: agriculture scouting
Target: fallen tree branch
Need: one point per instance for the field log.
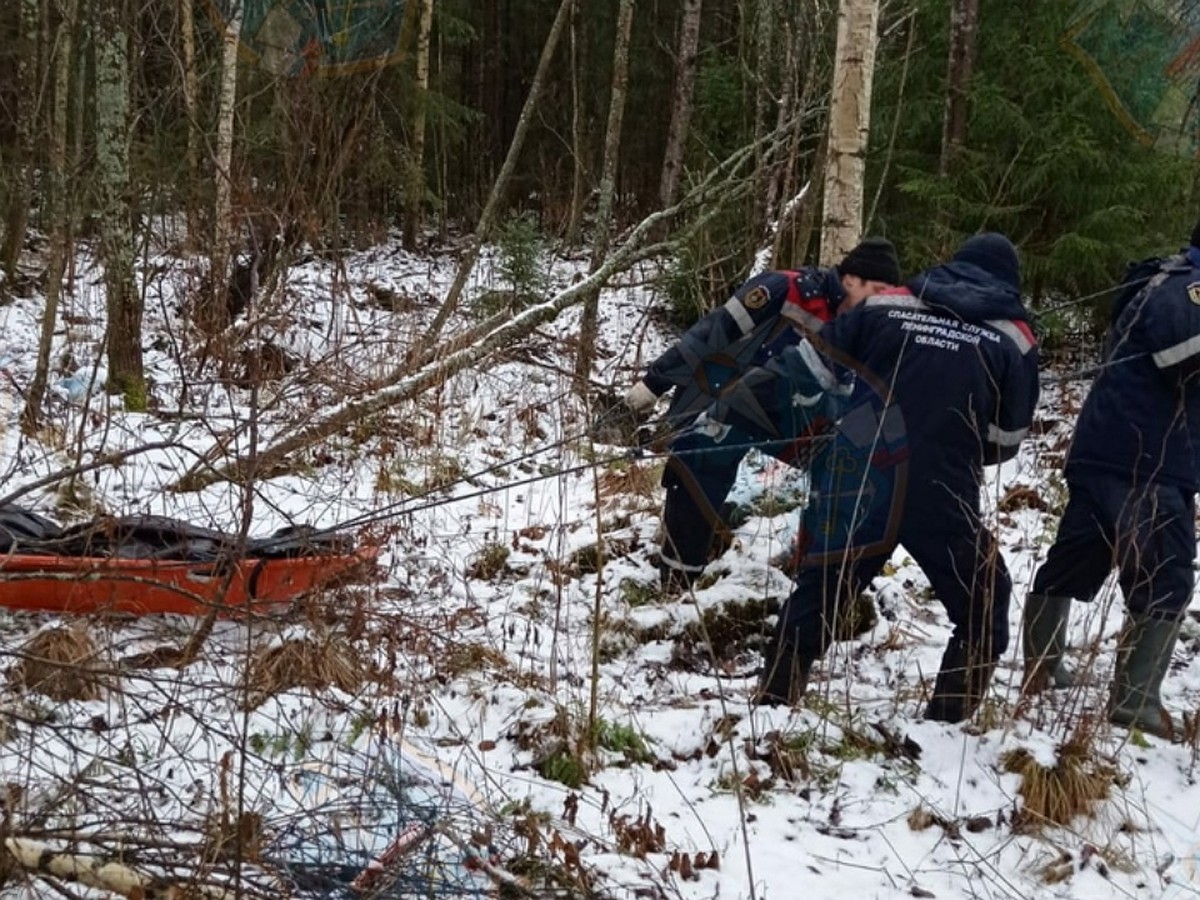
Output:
(102, 873)
(463, 351)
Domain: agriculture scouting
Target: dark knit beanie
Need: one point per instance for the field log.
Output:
(872, 260)
(995, 254)
(1196, 235)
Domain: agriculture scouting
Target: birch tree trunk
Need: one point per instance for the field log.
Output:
(488, 216)
(681, 101)
(608, 188)
(191, 94)
(849, 127)
(416, 185)
(28, 113)
(124, 302)
(213, 315)
(57, 209)
(964, 27)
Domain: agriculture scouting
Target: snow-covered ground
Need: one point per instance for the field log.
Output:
(516, 609)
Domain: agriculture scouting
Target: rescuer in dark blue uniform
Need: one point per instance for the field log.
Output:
(1133, 471)
(768, 314)
(946, 384)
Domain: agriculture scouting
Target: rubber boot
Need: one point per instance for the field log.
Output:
(1044, 630)
(961, 684)
(674, 582)
(785, 675)
(1142, 660)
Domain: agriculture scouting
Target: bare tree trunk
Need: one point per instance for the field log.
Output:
(213, 316)
(57, 210)
(788, 88)
(809, 211)
(888, 156)
(578, 134)
(805, 184)
(416, 174)
(124, 301)
(849, 127)
(608, 188)
(681, 102)
(84, 100)
(488, 216)
(27, 115)
(764, 58)
(191, 107)
(964, 27)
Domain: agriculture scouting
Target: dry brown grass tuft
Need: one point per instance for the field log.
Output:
(631, 482)
(60, 663)
(1057, 794)
(304, 663)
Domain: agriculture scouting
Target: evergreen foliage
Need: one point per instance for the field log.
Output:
(1045, 161)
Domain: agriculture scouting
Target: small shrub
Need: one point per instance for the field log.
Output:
(521, 249)
(565, 768)
(639, 593)
(625, 739)
(491, 562)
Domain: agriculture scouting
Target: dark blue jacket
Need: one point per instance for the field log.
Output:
(764, 316)
(1141, 420)
(953, 351)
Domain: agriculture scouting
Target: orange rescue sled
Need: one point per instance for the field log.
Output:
(64, 584)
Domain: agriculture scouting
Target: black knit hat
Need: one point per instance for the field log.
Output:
(872, 260)
(995, 254)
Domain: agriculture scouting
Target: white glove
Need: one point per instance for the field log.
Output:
(641, 399)
(711, 428)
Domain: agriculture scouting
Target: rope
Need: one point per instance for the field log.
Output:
(411, 505)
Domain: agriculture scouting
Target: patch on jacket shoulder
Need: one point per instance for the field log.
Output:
(757, 298)
(1193, 291)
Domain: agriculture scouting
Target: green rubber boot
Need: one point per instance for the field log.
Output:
(1044, 627)
(1142, 660)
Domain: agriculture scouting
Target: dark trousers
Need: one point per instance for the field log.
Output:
(1146, 532)
(961, 561)
(699, 476)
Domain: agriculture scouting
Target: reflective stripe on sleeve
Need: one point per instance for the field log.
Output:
(734, 307)
(1013, 332)
(900, 301)
(802, 317)
(824, 375)
(1173, 356)
(997, 435)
